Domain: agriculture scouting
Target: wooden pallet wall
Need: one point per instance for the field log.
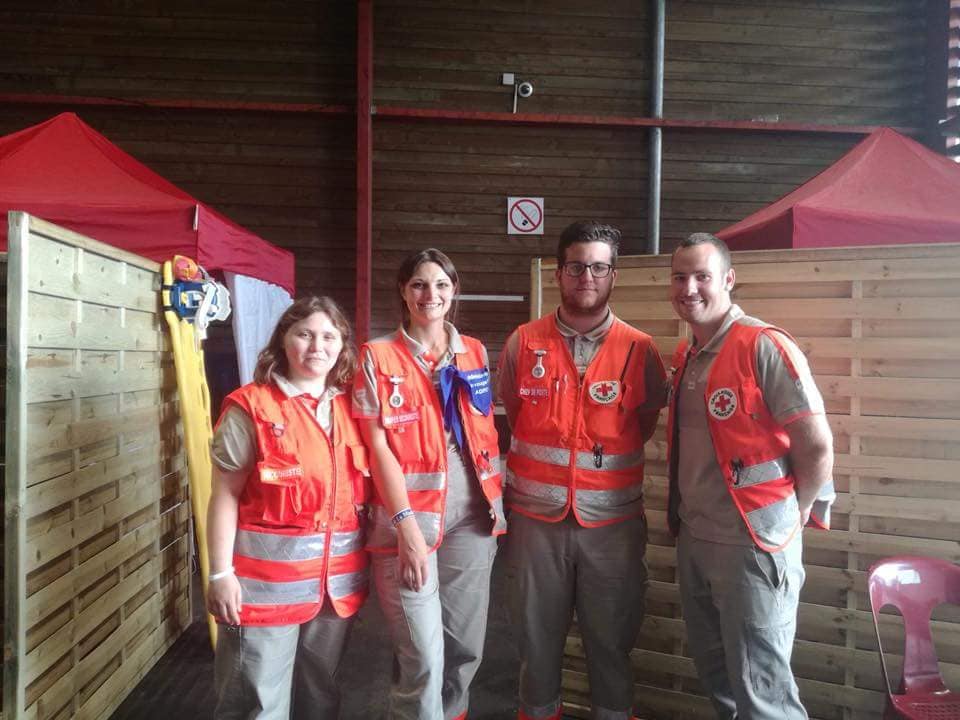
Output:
(97, 514)
(881, 329)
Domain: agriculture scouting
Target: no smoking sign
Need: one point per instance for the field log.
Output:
(524, 216)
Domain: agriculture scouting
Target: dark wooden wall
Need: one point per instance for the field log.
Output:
(849, 62)
(290, 175)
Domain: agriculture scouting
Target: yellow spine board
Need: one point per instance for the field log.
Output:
(197, 431)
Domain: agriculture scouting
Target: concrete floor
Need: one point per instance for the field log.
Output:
(180, 686)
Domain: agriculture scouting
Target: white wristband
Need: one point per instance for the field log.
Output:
(221, 574)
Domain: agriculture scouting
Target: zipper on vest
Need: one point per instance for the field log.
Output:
(737, 466)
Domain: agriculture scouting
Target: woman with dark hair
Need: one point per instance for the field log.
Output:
(288, 568)
(424, 399)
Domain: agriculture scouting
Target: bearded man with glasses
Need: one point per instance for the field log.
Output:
(582, 391)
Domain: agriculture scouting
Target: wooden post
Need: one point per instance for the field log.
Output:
(15, 530)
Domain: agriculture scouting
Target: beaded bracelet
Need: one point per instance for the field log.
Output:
(401, 516)
(220, 575)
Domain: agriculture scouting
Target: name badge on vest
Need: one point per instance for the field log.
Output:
(401, 419)
(538, 370)
(396, 399)
(722, 403)
(604, 392)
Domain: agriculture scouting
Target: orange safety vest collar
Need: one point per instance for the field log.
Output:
(299, 535)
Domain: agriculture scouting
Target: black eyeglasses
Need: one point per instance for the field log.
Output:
(597, 269)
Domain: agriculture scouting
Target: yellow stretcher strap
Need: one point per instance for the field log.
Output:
(197, 431)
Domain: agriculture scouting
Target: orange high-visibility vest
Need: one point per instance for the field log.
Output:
(752, 448)
(299, 535)
(411, 415)
(579, 443)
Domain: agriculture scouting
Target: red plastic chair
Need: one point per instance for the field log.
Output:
(915, 586)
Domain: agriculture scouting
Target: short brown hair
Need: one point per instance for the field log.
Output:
(705, 238)
(409, 266)
(587, 232)
(273, 358)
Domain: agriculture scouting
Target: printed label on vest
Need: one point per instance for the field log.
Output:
(401, 419)
(722, 403)
(278, 475)
(605, 391)
(534, 392)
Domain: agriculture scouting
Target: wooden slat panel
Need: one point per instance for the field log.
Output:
(103, 542)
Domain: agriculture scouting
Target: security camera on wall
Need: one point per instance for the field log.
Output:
(525, 89)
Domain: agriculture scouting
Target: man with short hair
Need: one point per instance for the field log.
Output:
(582, 391)
(750, 463)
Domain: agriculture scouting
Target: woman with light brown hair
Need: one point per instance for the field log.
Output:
(423, 397)
(288, 568)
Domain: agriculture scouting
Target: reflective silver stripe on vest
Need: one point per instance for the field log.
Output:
(540, 453)
(821, 506)
(279, 548)
(262, 592)
(602, 505)
(773, 524)
(425, 481)
(554, 494)
(610, 498)
(344, 543)
(500, 520)
(587, 461)
(340, 586)
(762, 472)
(495, 468)
(429, 523)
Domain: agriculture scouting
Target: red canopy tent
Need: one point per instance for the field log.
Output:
(887, 190)
(65, 172)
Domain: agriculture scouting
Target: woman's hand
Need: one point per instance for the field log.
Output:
(412, 554)
(224, 598)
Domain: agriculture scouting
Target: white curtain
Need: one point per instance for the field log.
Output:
(257, 305)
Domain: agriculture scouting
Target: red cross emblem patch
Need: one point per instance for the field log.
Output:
(604, 391)
(722, 403)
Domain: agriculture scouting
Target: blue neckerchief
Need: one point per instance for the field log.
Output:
(476, 383)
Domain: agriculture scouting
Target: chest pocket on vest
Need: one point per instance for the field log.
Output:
(539, 395)
(403, 419)
(280, 472)
(613, 408)
(751, 401)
